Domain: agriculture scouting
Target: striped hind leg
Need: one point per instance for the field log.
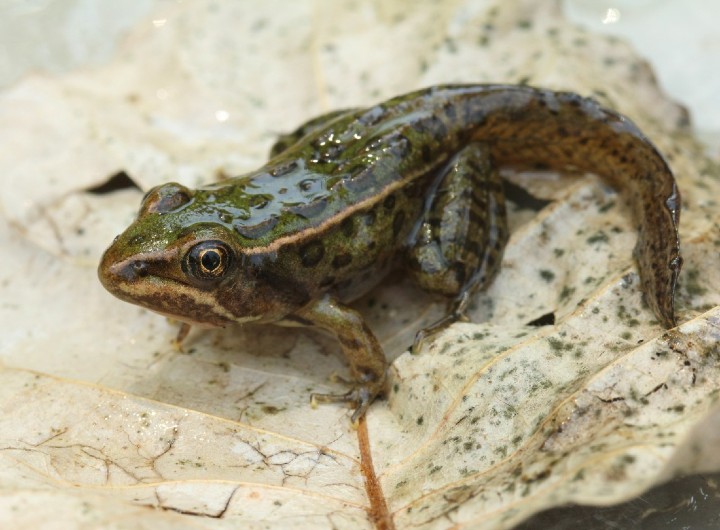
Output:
(459, 244)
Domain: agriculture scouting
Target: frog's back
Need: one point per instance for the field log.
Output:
(361, 177)
(349, 164)
(342, 201)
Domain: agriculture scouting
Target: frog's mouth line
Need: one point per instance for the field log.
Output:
(132, 280)
(175, 300)
(184, 319)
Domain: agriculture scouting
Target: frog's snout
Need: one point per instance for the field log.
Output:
(112, 271)
(128, 271)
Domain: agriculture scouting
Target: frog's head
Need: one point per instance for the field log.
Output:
(177, 260)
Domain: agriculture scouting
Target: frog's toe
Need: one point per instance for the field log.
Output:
(456, 313)
(427, 333)
(420, 338)
(361, 396)
(347, 397)
(336, 378)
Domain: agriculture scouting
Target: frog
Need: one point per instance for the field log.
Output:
(412, 183)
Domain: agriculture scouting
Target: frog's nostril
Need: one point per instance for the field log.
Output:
(141, 269)
(127, 272)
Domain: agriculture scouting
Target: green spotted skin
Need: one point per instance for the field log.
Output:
(411, 183)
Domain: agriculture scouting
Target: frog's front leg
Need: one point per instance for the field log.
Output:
(361, 348)
(462, 235)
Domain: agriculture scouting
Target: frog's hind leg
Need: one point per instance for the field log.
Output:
(462, 235)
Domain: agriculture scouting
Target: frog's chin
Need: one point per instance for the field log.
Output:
(187, 320)
(204, 324)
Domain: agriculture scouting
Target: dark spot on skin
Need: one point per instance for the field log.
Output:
(435, 222)
(327, 282)
(341, 260)
(476, 218)
(389, 203)
(371, 245)
(426, 154)
(475, 167)
(334, 151)
(450, 112)
(136, 240)
(372, 116)
(490, 261)
(460, 273)
(284, 169)
(348, 227)
(312, 253)
(413, 190)
(476, 114)
(362, 182)
(400, 146)
(398, 222)
(350, 343)
(258, 230)
(259, 201)
(432, 126)
(345, 284)
(306, 184)
(310, 210)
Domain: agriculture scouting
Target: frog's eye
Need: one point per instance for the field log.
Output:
(209, 260)
(165, 198)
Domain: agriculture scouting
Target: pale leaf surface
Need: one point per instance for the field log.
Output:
(103, 423)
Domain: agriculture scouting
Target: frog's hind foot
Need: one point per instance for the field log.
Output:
(456, 313)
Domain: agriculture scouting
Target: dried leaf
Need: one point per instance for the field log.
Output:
(103, 421)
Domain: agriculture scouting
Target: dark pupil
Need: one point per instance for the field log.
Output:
(210, 260)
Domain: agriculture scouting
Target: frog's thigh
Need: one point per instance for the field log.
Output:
(463, 231)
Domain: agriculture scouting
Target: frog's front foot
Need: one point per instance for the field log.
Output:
(361, 395)
(362, 349)
(181, 334)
